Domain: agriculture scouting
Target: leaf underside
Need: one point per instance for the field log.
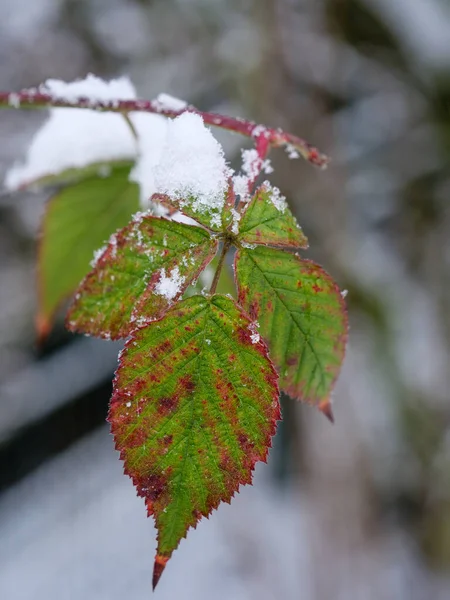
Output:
(270, 222)
(194, 407)
(125, 288)
(302, 317)
(77, 221)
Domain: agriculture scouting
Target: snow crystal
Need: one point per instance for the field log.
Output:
(255, 337)
(292, 152)
(168, 102)
(192, 166)
(251, 163)
(344, 293)
(259, 130)
(128, 404)
(240, 186)
(208, 341)
(14, 100)
(277, 199)
(169, 287)
(267, 166)
(97, 255)
(76, 138)
(236, 218)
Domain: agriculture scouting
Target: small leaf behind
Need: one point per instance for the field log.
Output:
(268, 220)
(302, 317)
(77, 221)
(144, 269)
(194, 407)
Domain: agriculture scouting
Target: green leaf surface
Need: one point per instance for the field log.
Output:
(144, 269)
(78, 220)
(194, 407)
(302, 317)
(268, 220)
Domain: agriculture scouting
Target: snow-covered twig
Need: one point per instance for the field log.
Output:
(276, 138)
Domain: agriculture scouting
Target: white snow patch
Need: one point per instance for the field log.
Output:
(277, 199)
(251, 163)
(91, 87)
(14, 100)
(76, 138)
(255, 337)
(168, 102)
(344, 293)
(236, 218)
(292, 152)
(240, 187)
(180, 218)
(169, 287)
(192, 167)
(97, 254)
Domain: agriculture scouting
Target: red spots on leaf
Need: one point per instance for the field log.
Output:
(136, 438)
(167, 405)
(187, 383)
(245, 444)
(254, 309)
(316, 288)
(167, 440)
(163, 348)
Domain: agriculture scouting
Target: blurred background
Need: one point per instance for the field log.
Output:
(358, 510)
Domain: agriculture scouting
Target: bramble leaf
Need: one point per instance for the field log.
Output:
(213, 216)
(302, 317)
(77, 221)
(194, 407)
(144, 269)
(268, 220)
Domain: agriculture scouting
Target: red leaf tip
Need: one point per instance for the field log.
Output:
(43, 326)
(325, 409)
(160, 565)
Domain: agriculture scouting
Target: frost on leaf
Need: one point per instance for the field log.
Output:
(204, 405)
(77, 221)
(145, 267)
(302, 317)
(268, 220)
(192, 172)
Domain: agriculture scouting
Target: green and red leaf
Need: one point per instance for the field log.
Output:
(145, 268)
(213, 217)
(268, 220)
(194, 407)
(302, 317)
(77, 221)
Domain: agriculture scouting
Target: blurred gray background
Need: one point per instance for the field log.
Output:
(359, 510)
